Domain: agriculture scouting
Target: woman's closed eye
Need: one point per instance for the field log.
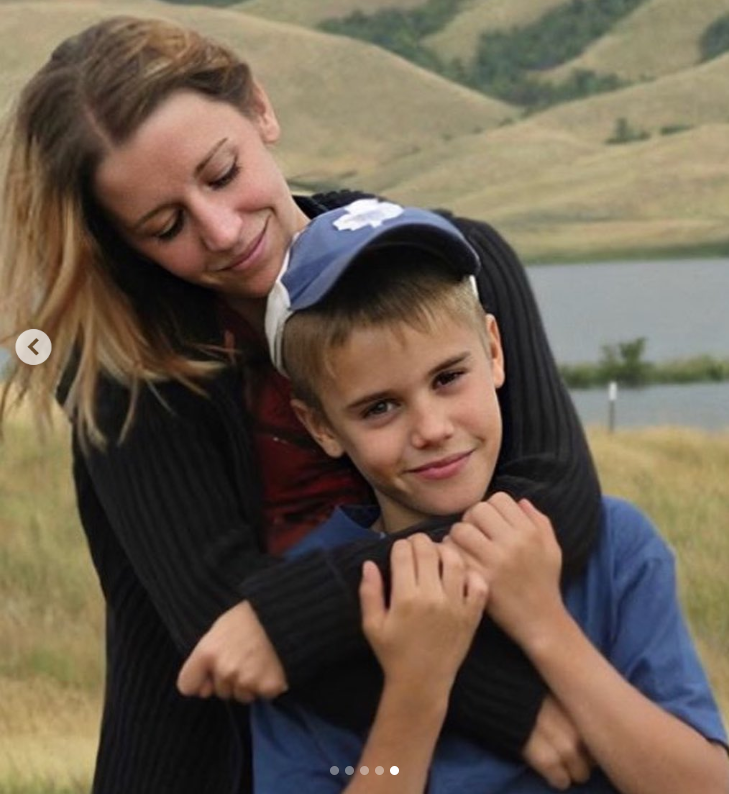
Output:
(226, 178)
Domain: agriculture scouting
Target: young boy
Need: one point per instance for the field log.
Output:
(395, 364)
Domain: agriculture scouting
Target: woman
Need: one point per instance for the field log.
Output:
(145, 221)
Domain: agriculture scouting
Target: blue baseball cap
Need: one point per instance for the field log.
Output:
(330, 243)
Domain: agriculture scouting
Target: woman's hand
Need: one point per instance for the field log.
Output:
(555, 749)
(235, 659)
(514, 548)
(435, 606)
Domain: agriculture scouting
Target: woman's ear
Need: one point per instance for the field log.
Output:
(319, 428)
(263, 115)
(495, 350)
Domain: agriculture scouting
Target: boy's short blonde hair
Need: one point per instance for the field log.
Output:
(392, 286)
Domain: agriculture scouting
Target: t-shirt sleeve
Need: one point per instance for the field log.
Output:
(651, 645)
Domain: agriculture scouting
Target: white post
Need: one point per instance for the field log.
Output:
(612, 400)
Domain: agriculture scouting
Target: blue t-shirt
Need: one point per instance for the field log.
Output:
(626, 603)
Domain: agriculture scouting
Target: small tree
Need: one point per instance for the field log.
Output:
(623, 132)
(624, 362)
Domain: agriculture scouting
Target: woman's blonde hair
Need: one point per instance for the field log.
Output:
(63, 269)
(392, 287)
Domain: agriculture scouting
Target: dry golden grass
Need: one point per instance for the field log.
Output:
(554, 194)
(311, 12)
(50, 628)
(345, 106)
(659, 37)
(680, 478)
(689, 97)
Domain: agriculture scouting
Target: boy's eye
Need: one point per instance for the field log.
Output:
(227, 177)
(380, 408)
(448, 377)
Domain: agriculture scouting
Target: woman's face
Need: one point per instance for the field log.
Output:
(197, 190)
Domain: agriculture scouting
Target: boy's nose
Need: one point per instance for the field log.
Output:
(431, 426)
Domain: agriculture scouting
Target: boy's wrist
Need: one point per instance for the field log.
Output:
(425, 699)
(544, 638)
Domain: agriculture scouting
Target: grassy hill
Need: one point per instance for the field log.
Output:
(310, 12)
(51, 621)
(354, 115)
(345, 106)
(459, 38)
(658, 38)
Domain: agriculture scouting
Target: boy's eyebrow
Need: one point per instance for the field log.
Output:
(453, 361)
(198, 168)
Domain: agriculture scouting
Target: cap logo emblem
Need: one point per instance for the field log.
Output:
(367, 212)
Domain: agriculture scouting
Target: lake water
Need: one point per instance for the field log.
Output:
(681, 307)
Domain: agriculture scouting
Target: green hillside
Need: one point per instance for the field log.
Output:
(658, 38)
(459, 38)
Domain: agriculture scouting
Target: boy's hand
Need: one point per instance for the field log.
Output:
(235, 659)
(435, 606)
(514, 548)
(555, 749)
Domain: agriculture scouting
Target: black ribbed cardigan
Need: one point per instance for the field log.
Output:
(173, 521)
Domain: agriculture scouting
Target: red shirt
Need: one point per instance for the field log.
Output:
(301, 484)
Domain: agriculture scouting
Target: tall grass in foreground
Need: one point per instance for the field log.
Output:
(51, 621)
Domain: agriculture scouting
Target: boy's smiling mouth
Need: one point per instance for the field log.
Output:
(443, 468)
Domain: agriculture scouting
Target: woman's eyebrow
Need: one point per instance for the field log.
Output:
(209, 156)
(198, 168)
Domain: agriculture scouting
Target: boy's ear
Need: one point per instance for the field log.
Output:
(497, 352)
(319, 428)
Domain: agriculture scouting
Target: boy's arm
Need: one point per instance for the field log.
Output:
(420, 640)
(640, 745)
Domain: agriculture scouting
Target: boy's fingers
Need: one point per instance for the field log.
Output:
(536, 515)
(453, 570)
(427, 561)
(471, 542)
(402, 567)
(371, 594)
(477, 591)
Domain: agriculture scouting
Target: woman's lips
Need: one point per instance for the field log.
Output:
(443, 468)
(249, 256)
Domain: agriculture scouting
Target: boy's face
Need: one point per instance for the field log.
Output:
(417, 413)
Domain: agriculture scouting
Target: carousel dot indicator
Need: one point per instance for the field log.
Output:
(379, 770)
(394, 770)
(334, 770)
(349, 770)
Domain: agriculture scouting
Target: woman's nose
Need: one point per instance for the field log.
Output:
(220, 228)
